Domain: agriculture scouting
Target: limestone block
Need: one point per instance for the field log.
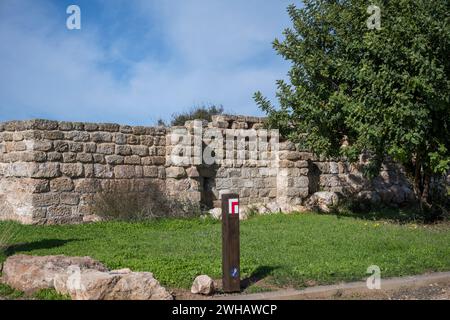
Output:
(69, 157)
(100, 137)
(150, 171)
(45, 199)
(61, 184)
(69, 198)
(132, 139)
(103, 171)
(141, 151)
(99, 158)
(132, 160)
(87, 185)
(78, 136)
(114, 159)
(38, 145)
(125, 172)
(106, 148)
(147, 141)
(123, 150)
(109, 127)
(46, 170)
(176, 172)
(91, 127)
(73, 170)
(120, 138)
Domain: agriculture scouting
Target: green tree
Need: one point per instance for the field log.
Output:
(383, 91)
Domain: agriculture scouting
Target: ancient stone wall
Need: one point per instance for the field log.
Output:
(50, 172)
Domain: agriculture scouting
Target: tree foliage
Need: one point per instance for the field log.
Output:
(385, 92)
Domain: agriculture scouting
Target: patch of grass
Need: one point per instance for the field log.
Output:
(9, 293)
(50, 294)
(291, 250)
(255, 288)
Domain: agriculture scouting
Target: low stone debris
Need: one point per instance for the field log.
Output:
(83, 278)
(323, 201)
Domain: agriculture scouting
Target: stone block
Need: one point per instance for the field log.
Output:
(103, 171)
(45, 199)
(69, 198)
(69, 157)
(132, 160)
(47, 170)
(106, 148)
(125, 172)
(90, 147)
(41, 145)
(114, 159)
(150, 171)
(100, 137)
(109, 127)
(78, 136)
(85, 158)
(73, 170)
(88, 186)
(176, 172)
(61, 184)
(99, 158)
(123, 150)
(54, 157)
(141, 151)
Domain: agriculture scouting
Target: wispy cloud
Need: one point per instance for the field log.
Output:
(186, 52)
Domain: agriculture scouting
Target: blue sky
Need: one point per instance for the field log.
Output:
(135, 61)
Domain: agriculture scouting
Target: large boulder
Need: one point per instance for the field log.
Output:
(138, 286)
(323, 201)
(114, 285)
(85, 284)
(32, 273)
(83, 278)
(203, 285)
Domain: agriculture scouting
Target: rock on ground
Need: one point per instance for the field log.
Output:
(203, 285)
(32, 273)
(83, 278)
(216, 213)
(114, 285)
(323, 201)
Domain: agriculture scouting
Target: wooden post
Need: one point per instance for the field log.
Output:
(231, 269)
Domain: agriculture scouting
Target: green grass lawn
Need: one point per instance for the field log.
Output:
(290, 250)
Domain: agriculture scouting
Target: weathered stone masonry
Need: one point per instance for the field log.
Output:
(50, 171)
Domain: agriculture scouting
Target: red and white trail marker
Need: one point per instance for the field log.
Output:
(233, 206)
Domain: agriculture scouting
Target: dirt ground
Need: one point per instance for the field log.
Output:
(434, 291)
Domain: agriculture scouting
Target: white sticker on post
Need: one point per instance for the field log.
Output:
(233, 206)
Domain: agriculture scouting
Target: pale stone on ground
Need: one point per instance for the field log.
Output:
(83, 278)
(323, 201)
(203, 285)
(31, 273)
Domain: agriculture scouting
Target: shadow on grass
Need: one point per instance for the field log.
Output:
(36, 245)
(398, 215)
(259, 274)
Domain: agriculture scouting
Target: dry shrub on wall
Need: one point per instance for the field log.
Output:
(119, 203)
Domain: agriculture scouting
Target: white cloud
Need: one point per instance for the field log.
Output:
(47, 71)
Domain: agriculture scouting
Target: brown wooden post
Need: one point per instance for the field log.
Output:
(231, 270)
